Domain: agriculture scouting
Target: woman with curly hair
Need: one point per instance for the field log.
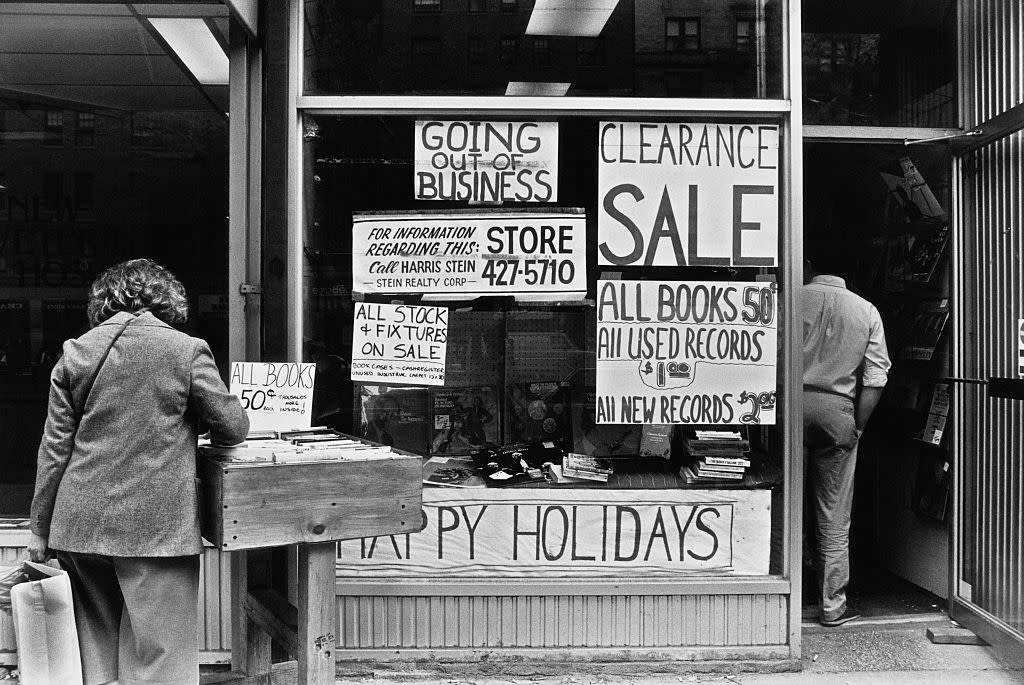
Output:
(115, 495)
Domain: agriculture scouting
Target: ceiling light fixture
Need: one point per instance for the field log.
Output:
(197, 48)
(582, 18)
(527, 88)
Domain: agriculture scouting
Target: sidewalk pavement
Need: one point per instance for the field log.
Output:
(864, 652)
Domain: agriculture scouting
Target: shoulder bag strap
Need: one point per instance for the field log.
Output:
(92, 379)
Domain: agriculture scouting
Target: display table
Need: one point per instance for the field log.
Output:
(282, 522)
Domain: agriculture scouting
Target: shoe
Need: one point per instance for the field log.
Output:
(848, 615)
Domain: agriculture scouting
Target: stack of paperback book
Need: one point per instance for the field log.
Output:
(716, 456)
(582, 467)
(297, 446)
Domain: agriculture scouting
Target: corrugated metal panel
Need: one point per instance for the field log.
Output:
(991, 55)
(990, 432)
(214, 602)
(562, 621)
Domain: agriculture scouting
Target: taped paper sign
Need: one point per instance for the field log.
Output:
(401, 344)
(686, 352)
(275, 396)
(486, 161)
(688, 194)
(572, 533)
(470, 253)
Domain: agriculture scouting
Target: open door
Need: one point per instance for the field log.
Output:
(987, 548)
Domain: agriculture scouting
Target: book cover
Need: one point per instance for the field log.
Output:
(452, 472)
(464, 420)
(540, 412)
(396, 417)
(656, 441)
(926, 330)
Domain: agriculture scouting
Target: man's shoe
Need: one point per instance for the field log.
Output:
(848, 615)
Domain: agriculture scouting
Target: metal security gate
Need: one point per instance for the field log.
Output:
(986, 591)
(988, 550)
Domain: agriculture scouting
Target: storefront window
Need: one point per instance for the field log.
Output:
(863, 65)
(559, 291)
(624, 48)
(67, 213)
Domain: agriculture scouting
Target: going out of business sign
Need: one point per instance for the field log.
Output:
(688, 194)
(486, 161)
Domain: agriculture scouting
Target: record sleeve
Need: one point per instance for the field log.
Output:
(396, 417)
(540, 412)
(464, 420)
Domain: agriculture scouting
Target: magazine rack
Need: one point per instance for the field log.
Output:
(274, 517)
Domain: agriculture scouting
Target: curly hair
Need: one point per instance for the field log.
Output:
(134, 286)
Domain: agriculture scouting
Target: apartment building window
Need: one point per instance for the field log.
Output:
(85, 129)
(542, 52)
(509, 5)
(477, 6)
(53, 128)
(837, 56)
(509, 49)
(744, 34)
(590, 52)
(426, 5)
(682, 34)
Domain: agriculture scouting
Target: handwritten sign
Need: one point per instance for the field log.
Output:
(486, 161)
(688, 194)
(470, 253)
(686, 352)
(572, 533)
(402, 344)
(275, 396)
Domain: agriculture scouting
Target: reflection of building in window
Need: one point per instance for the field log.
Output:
(426, 5)
(53, 128)
(85, 129)
(83, 191)
(744, 34)
(476, 50)
(52, 190)
(682, 33)
(425, 48)
(477, 6)
(684, 84)
(837, 57)
(144, 133)
(509, 5)
(542, 52)
(508, 51)
(590, 52)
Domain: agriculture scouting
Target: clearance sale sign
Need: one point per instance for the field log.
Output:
(688, 194)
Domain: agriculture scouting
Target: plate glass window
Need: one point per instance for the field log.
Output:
(619, 48)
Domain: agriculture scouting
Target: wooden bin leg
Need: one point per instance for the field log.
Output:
(317, 613)
(250, 644)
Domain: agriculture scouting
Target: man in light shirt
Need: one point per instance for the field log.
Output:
(846, 366)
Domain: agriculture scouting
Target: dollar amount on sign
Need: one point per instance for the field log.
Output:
(533, 272)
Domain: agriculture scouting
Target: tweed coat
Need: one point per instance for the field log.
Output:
(124, 483)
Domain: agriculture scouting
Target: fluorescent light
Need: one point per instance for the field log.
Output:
(196, 46)
(583, 18)
(537, 88)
